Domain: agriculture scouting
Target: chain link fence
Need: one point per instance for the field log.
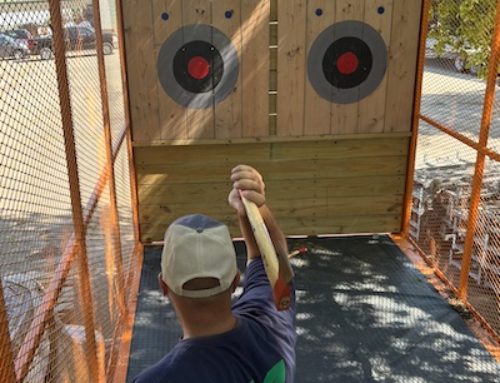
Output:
(68, 240)
(68, 233)
(455, 215)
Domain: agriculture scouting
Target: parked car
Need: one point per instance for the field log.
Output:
(11, 48)
(23, 37)
(76, 38)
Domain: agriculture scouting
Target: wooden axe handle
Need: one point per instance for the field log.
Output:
(278, 270)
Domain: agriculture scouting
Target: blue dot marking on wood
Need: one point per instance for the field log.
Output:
(165, 16)
(381, 10)
(318, 12)
(229, 13)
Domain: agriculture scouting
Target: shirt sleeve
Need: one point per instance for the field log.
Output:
(257, 296)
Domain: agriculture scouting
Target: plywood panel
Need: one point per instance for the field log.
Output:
(345, 117)
(141, 69)
(372, 108)
(226, 17)
(200, 122)
(317, 109)
(402, 65)
(255, 67)
(291, 67)
(172, 118)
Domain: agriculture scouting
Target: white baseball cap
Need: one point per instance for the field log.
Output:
(197, 246)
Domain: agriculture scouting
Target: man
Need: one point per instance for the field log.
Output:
(248, 341)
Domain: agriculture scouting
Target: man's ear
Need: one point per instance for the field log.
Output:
(163, 285)
(236, 282)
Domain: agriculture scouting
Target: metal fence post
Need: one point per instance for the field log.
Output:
(7, 371)
(475, 198)
(115, 220)
(74, 185)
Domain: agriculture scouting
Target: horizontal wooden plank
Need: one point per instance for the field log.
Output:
(354, 148)
(340, 225)
(276, 170)
(180, 193)
(154, 231)
(320, 207)
(200, 154)
(286, 190)
(272, 139)
(329, 149)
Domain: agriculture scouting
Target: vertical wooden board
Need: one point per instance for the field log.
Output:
(255, 67)
(172, 118)
(317, 109)
(273, 10)
(141, 69)
(345, 117)
(228, 112)
(402, 65)
(200, 122)
(372, 108)
(172, 9)
(291, 66)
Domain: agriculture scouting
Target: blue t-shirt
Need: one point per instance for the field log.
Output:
(260, 349)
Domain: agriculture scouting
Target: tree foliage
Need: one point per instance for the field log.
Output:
(466, 27)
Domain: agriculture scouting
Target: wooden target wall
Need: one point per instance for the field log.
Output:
(172, 25)
(386, 106)
(317, 94)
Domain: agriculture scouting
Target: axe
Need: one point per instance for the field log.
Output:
(278, 269)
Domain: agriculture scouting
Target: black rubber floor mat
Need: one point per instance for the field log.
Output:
(365, 314)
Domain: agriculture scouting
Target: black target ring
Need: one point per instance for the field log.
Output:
(347, 62)
(198, 66)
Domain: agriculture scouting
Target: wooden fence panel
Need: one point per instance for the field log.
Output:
(350, 183)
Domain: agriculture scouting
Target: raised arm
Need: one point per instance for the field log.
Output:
(251, 184)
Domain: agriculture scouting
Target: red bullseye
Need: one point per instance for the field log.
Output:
(347, 63)
(198, 67)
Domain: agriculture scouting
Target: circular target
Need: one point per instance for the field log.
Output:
(347, 62)
(198, 66)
